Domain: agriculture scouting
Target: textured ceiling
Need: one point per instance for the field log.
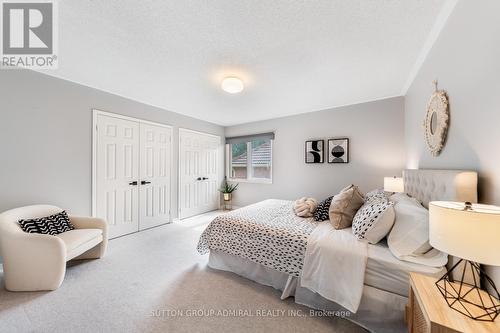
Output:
(294, 56)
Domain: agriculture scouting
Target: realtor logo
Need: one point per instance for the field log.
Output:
(29, 34)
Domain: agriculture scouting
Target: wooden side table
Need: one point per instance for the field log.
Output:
(428, 312)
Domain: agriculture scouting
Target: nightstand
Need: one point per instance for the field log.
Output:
(427, 311)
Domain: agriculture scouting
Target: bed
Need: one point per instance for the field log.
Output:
(272, 253)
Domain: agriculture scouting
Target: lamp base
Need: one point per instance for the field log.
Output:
(469, 299)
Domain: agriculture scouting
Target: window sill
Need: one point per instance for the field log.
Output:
(250, 181)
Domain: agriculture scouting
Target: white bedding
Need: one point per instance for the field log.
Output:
(334, 265)
(386, 272)
(337, 265)
(330, 262)
(382, 307)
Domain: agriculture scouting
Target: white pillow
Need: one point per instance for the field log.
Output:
(375, 195)
(432, 258)
(410, 234)
(374, 220)
(403, 197)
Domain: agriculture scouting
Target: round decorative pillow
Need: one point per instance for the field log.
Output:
(305, 207)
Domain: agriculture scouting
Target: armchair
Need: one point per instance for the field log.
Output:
(35, 262)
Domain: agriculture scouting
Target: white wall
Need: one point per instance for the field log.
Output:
(466, 61)
(376, 136)
(46, 139)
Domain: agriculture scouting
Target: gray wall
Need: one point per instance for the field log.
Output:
(466, 61)
(376, 136)
(46, 139)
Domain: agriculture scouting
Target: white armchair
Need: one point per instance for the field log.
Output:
(33, 262)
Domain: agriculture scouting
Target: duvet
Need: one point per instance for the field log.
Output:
(267, 233)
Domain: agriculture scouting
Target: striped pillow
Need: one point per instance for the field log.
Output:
(50, 225)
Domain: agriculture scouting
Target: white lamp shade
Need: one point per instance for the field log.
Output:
(468, 234)
(394, 184)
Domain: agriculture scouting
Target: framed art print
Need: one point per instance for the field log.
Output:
(338, 150)
(314, 152)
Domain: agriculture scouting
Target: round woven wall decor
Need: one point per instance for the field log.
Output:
(437, 121)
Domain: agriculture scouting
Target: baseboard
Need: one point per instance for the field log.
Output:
(221, 210)
(232, 208)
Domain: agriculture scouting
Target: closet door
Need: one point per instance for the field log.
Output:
(155, 162)
(198, 173)
(116, 174)
(209, 195)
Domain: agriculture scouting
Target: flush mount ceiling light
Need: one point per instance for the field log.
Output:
(232, 85)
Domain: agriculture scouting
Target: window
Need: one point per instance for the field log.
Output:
(250, 158)
(239, 159)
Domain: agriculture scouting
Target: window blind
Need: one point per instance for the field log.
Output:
(247, 138)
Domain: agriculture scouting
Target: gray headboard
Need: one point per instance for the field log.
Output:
(441, 185)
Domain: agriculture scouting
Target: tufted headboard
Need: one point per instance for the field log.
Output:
(442, 185)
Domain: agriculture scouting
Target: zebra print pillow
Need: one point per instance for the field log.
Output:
(322, 212)
(50, 225)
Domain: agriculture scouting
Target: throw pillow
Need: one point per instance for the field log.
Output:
(30, 226)
(375, 195)
(344, 206)
(374, 220)
(321, 213)
(41, 225)
(305, 207)
(62, 222)
(50, 225)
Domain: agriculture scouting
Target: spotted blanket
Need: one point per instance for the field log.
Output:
(267, 233)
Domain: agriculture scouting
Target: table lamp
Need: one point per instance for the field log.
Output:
(470, 232)
(394, 184)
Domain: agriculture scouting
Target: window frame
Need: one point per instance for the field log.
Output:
(249, 178)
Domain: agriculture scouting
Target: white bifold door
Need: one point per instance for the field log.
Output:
(131, 173)
(198, 173)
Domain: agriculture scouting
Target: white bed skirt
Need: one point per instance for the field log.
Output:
(379, 311)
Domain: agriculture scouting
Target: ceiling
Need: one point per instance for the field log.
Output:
(294, 56)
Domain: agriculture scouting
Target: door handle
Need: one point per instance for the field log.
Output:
(199, 178)
(144, 182)
(134, 183)
(205, 178)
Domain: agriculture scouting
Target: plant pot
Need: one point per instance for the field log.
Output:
(227, 196)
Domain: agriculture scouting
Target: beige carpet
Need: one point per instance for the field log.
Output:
(155, 281)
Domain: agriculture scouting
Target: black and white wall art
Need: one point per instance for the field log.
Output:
(338, 150)
(315, 151)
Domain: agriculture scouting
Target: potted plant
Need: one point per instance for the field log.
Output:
(227, 190)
